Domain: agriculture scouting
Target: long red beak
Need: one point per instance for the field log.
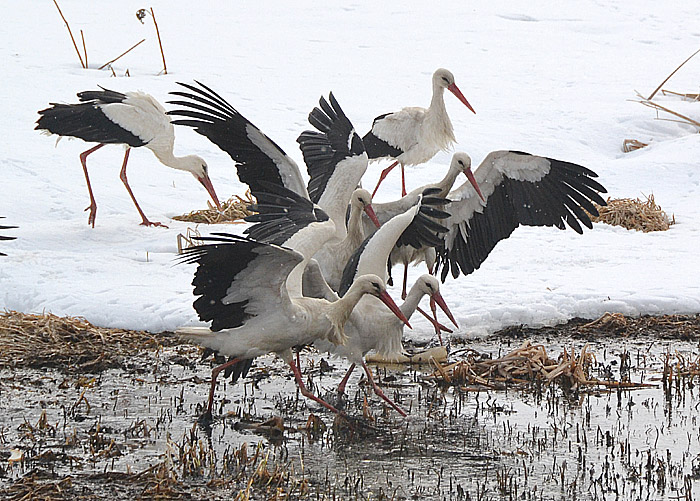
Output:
(371, 214)
(437, 298)
(385, 298)
(206, 182)
(472, 180)
(455, 90)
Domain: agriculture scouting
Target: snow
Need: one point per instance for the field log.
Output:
(550, 78)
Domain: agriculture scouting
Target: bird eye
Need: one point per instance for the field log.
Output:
(444, 79)
(461, 163)
(362, 200)
(375, 285)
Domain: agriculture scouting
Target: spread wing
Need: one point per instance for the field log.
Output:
(258, 157)
(520, 189)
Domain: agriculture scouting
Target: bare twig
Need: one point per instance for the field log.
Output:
(672, 73)
(82, 36)
(657, 106)
(83, 64)
(160, 43)
(122, 54)
(691, 96)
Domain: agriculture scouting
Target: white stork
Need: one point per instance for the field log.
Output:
(520, 189)
(414, 135)
(334, 156)
(368, 327)
(2, 237)
(133, 119)
(252, 291)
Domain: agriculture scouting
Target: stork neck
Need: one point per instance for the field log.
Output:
(446, 183)
(411, 302)
(340, 310)
(355, 230)
(166, 157)
(437, 119)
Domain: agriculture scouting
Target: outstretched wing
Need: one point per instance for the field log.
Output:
(257, 156)
(238, 278)
(519, 189)
(334, 148)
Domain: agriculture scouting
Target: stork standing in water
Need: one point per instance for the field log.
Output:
(368, 327)
(2, 237)
(414, 135)
(133, 119)
(252, 291)
(333, 153)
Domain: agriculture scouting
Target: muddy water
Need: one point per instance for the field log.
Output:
(539, 442)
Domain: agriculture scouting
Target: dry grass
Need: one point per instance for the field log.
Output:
(642, 215)
(232, 211)
(632, 145)
(69, 343)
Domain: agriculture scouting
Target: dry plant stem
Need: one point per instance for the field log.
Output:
(672, 73)
(691, 96)
(122, 54)
(651, 104)
(82, 36)
(83, 64)
(160, 43)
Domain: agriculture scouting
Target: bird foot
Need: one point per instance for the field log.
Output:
(146, 222)
(93, 213)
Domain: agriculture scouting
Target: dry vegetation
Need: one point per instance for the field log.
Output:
(69, 343)
(634, 214)
(232, 210)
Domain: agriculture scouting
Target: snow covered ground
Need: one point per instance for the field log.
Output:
(551, 78)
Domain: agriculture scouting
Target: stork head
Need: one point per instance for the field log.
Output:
(362, 199)
(373, 285)
(463, 163)
(198, 167)
(445, 79)
(430, 286)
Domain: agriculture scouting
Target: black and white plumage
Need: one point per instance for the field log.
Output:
(133, 119)
(520, 189)
(334, 155)
(414, 135)
(251, 293)
(3, 237)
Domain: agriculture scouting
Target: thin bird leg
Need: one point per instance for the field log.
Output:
(306, 392)
(344, 381)
(378, 390)
(93, 205)
(403, 182)
(214, 374)
(405, 279)
(122, 176)
(438, 326)
(384, 173)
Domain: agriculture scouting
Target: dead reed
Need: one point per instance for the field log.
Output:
(232, 211)
(637, 214)
(69, 343)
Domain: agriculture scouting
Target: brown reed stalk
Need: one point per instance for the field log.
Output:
(160, 43)
(672, 73)
(84, 65)
(82, 36)
(122, 54)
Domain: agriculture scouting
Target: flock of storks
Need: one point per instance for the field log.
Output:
(313, 266)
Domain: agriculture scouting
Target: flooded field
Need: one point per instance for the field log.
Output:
(93, 432)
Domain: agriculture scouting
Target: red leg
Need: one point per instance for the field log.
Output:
(384, 173)
(344, 381)
(214, 374)
(378, 390)
(307, 393)
(403, 182)
(122, 176)
(93, 206)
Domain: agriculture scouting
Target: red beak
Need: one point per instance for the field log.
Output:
(437, 298)
(206, 182)
(472, 180)
(385, 298)
(371, 214)
(455, 90)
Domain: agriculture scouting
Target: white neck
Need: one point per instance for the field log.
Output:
(339, 311)
(355, 230)
(166, 157)
(411, 302)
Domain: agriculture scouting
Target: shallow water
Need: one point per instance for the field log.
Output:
(533, 443)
